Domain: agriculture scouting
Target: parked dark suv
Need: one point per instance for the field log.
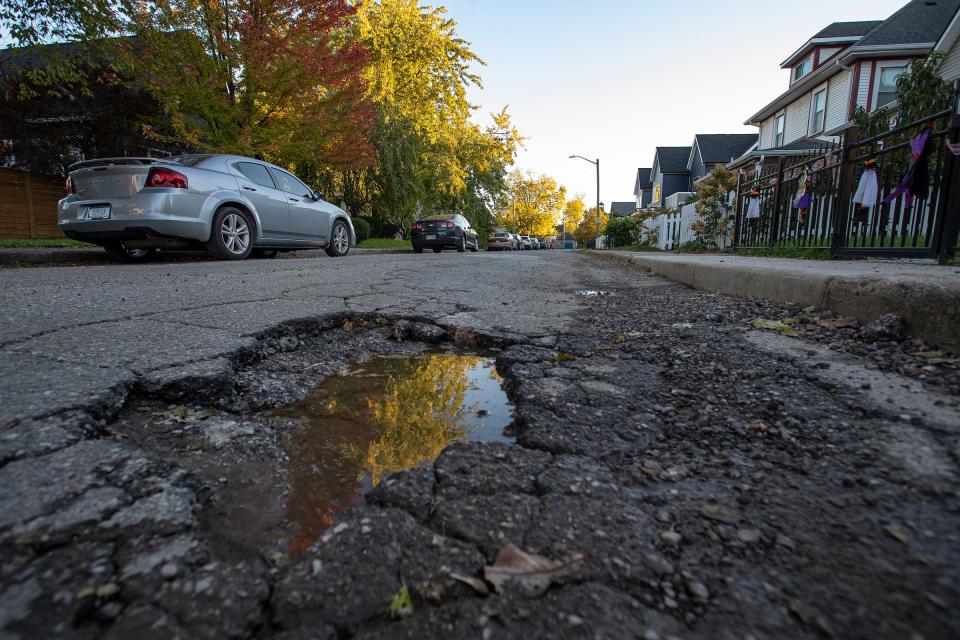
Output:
(452, 231)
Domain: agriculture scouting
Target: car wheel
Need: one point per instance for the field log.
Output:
(463, 244)
(418, 249)
(231, 235)
(339, 240)
(437, 249)
(475, 247)
(120, 253)
(264, 254)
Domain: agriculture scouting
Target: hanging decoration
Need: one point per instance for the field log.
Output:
(916, 181)
(867, 191)
(753, 206)
(802, 201)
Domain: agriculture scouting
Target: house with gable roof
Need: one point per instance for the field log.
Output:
(844, 66)
(643, 188)
(711, 149)
(669, 174)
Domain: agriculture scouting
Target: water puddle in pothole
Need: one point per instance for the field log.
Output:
(384, 415)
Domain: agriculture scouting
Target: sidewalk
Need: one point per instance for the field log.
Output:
(23, 257)
(926, 296)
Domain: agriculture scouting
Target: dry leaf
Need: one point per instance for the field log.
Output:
(563, 356)
(720, 514)
(347, 325)
(774, 325)
(476, 584)
(897, 533)
(837, 323)
(531, 574)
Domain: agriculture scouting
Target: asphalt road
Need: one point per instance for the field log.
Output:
(68, 334)
(679, 473)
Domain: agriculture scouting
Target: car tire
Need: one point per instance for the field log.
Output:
(264, 254)
(475, 248)
(339, 240)
(418, 249)
(462, 247)
(120, 253)
(437, 249)
(231, 235)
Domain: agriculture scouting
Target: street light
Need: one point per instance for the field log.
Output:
(596, 163)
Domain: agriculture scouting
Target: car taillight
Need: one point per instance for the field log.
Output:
(166, 177)
(447, 225)
(416, 225)
(69, 186)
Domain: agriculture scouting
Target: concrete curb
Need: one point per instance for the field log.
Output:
(30, 256)
(927, 297)
(33, 257)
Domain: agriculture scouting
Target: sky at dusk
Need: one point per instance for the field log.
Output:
(613, 79)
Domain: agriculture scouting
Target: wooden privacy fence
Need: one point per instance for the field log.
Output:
(772, 210)
(28, 204)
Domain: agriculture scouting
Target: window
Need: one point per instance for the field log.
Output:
(778, 129)
(887, 85)
(288, 183)
(256, 173)
(818, 110)
(802, 69)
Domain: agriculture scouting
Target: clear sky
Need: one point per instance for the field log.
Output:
(613, 79)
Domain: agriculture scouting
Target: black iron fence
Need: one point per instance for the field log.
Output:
(823, 198)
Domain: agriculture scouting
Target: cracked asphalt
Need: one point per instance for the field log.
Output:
(719, 482)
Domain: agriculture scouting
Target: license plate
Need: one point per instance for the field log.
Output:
(98, 213)
(431, 237)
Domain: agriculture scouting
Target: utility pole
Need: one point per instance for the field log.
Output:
(596, 163)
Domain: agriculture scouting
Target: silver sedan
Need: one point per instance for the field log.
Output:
(233, 206)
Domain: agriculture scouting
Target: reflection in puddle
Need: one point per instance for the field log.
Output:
(382, 416)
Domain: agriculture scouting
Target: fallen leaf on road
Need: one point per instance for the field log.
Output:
(720, 514)
(476, 584)
(182, 414)
(401, 605)
(748, 535)
(563, 356)
(836, 323)
(774, 325)
(929, 355)
(897, 533)
(530, 573)
(347, 325)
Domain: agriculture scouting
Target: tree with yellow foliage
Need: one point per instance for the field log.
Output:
(532, 204)
(573, 213)
(586, 231)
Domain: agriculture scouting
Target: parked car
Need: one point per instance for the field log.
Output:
(517, 241)
(501, 241)
(525, 242)
(534, 243)
(437, 232)
(232, 206)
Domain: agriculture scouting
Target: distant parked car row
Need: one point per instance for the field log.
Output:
(505, 241)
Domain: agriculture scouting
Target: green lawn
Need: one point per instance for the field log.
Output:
(42, 243)
(384, 243)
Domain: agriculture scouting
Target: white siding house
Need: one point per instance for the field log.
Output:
(850, 64)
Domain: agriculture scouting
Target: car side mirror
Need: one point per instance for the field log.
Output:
(317, 195)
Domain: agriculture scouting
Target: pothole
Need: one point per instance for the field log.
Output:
(277, 452)
(385, 415)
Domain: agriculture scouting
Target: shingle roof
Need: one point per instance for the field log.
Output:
(643, 178)
(723, 147)
(852, 29)
(673, 159)
(919, 21)
(622, 208)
